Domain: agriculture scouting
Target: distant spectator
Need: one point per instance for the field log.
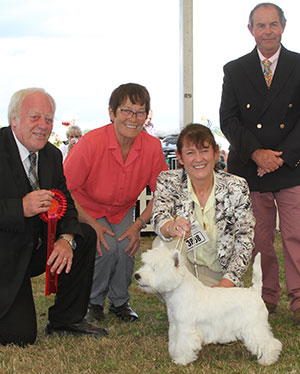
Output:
(148, 125)
(221, 164)
(73, 134)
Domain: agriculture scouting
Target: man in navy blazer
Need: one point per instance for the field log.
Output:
(262, 124)
(23, 235)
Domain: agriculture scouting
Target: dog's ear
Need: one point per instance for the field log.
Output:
(176, 258)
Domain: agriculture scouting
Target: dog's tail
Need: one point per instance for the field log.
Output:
(257, 274)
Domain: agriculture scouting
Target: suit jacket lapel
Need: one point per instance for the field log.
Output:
(45, 169)
(284, 70)
(13, 158)
(252, 69)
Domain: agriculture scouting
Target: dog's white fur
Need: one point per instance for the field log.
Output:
(200, 315)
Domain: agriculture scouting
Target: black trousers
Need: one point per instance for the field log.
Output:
(18, 326)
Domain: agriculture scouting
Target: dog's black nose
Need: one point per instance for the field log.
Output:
(137, 276)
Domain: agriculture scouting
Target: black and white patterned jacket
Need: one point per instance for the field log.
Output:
(234, 219)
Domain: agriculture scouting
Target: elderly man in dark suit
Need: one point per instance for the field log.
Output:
(260, 116)
(23, 235)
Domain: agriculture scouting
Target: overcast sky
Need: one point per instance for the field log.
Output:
(79, 51)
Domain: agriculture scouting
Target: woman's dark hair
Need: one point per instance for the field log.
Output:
(136, 93)
(196, 134)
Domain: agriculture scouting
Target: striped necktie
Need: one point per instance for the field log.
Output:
(267, 72)
(32, 175)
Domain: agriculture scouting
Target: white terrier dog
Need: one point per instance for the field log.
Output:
(200, 315)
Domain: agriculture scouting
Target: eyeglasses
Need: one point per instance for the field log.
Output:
(127, 113)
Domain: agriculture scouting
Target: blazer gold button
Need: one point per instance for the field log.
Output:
(259, 125)
(290, 105)
(248, 106)
(282, 126)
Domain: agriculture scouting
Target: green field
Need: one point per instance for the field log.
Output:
(142, 347)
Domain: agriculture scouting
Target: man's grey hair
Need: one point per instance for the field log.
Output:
(17, 99)
(279, 11)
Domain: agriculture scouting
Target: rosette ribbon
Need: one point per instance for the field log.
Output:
(56, 210)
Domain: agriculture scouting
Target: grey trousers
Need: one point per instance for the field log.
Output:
(113, 271)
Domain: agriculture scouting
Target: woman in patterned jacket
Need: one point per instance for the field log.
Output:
(211, 209)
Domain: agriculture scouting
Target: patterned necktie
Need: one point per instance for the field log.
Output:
(267, 72)
(32, 175)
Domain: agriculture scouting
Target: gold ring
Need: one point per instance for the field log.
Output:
(65, 259)
(176, 228)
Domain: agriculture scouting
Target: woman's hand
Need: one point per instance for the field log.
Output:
(226, 283)
(133, 234)
(181, 227)
(100, 231)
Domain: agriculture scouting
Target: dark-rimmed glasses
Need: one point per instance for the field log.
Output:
(128, 113)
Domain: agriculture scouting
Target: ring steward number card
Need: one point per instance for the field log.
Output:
(197, 237)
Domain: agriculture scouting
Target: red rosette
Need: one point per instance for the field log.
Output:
(58, 206)
(56, 210)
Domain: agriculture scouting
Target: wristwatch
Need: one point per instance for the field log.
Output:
(71, 241)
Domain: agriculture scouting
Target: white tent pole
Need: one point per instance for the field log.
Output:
(186, 62)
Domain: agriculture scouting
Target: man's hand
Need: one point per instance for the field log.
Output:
(37, 202)
(61, 257)
(267, 160)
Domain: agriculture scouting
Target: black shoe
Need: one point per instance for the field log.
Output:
(80, 328)
(94, 313)
(124, 312)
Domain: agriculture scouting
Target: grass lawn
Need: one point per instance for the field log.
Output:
(142, 347)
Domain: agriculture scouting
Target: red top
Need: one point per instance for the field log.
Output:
(100, 180)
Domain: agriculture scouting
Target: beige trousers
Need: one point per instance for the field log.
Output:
(203, 273)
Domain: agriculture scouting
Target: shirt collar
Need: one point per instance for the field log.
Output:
(23, 151)
(273, 59)
(210, 200)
